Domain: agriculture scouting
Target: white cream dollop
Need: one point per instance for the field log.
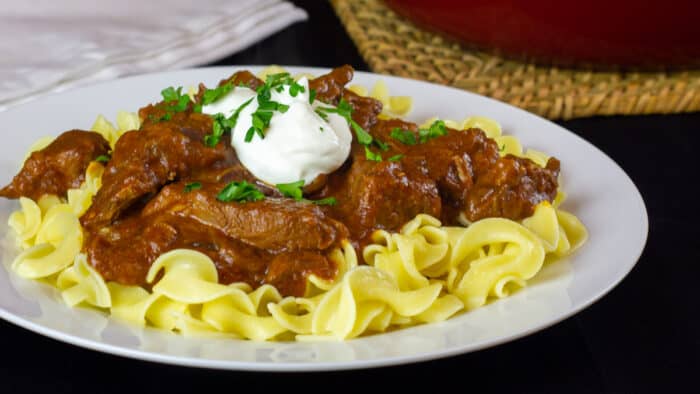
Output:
(298, 144)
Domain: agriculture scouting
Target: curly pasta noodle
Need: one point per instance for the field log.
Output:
(424, 273)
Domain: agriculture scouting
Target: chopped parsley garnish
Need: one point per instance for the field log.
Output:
(274, 80)
(192, 186)
(437, 129)
(322, 114)
(102, 159)
(406, 137)
(381, 145)
(312, 95)
(176, 101)
(240, 192)
(292, 190)
(222, 124)
(344, 109)
(266, 106)
(213, 95)
(502, 148)
(171, 94)
(325, 201)
(295, 190)
(372, 156)
(395, 158)
(295, 89)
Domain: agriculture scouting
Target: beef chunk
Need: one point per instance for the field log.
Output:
(243, 77)
(511, 188)
(330, 88)
(381, 195)
(147, 159)
(277, 225)
(276, 241)
(365, 109)
(454, 162)
(58, 167)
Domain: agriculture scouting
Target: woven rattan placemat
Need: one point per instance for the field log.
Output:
(393, 45)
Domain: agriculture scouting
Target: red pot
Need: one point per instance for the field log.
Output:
(625, 33)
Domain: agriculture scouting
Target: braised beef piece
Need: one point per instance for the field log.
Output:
(158, 112)
(455, 161)
(330, 88)
(270, 241)
(288, 272)
(58, 167)
(511, 188)
(145, 160)
(470, 174)
(277, 225)
(365, 109)
(197, 126)
(445, 176)
(379, 195)
(245, 78)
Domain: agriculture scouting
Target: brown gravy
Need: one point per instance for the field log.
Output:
(143, 209)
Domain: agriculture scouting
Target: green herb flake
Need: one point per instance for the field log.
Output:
(292, 190)
(372, 156)
(322, 114)
(102, 159)
(282, 108)
(325, 201)
(437, 129)
(175, 100)
(181, 104)
(266, 106)
(273, 80)
(213, 95)
(381, 145)
(406, 137)
(240, 192)
(295, 88)
(363, 137)
(171, 94)
(222, 125)
(395, 158)
(312, 95)
(344, 109)
(192, 186)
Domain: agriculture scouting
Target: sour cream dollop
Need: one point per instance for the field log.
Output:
(298, 145)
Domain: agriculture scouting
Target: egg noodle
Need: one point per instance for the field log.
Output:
(424, 273)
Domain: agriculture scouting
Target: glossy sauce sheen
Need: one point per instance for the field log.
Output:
(58, 167)
(144, 209)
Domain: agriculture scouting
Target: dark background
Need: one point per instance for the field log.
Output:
(644, 336)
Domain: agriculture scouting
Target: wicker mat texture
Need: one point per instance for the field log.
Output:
(393, 45)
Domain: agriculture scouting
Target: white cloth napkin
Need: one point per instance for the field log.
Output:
(52, 45)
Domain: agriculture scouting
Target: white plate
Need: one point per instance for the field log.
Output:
(600, 194)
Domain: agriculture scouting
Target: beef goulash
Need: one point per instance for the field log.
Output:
(162, 189)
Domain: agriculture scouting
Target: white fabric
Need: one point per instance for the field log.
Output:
(52, 45)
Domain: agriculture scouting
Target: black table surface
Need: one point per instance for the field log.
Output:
(644, 336)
